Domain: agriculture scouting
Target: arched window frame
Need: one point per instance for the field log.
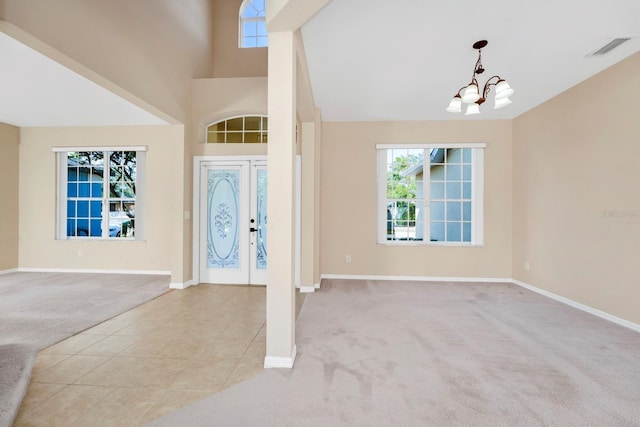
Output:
(228, 131)
(257, 19)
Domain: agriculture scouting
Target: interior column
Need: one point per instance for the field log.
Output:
(310, 268)
(281, 348)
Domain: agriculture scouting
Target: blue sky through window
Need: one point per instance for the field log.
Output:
(253, 28)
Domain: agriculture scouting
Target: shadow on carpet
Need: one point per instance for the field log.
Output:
(437, 354)
(40, 309)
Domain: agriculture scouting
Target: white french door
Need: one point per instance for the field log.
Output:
(230, 228)
(233, 232)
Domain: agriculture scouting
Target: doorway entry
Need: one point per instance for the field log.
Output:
(230, 220)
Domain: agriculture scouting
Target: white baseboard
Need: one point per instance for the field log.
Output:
(93, 271)
(317, 285)
(280, 362)
(579, 306)
(307, 289)
(11, 270)
(418, 278)
(183, 285)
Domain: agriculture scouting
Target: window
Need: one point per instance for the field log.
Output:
(430, 194)
(253, 24)
(239, 130)
(99, 193)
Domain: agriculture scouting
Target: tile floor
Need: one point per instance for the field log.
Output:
(151, 360)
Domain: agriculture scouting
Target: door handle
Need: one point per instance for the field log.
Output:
(251, 229)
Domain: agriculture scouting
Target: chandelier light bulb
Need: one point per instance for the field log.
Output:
(471, 94)
(472, 109)
(503, 90)
(455, 106)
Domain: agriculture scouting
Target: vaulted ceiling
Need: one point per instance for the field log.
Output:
(377, 60)
(404, 60)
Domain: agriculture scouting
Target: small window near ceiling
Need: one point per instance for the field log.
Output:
(253, 24)
(238, 130)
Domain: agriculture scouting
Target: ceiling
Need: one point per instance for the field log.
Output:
(369, 61)
(37, 91)
(404, 60)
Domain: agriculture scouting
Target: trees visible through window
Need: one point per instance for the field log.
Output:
(430, 194)
(239, 130)
(99, 194)
(253, 25)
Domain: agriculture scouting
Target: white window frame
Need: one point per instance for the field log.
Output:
(61, 160)
(262, 132)
(242, 20)
(477, 195)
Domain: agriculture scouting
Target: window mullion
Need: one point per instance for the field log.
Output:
(426, 184)
(105, 194)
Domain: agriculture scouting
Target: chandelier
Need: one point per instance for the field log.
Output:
(470, 94)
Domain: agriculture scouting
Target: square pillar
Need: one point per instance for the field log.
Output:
(281, 348)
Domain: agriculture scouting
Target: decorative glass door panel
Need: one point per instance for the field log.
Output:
(258, 221)
(224, 231)
(223, 228)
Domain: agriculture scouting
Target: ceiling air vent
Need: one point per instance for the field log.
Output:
(609, 46)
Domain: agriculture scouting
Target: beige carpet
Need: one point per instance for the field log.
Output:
(437, 354)
(40, 309)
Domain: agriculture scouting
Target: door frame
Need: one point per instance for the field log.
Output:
(197, 168)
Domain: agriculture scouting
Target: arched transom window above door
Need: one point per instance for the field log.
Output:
(253, 25)
(239, 130)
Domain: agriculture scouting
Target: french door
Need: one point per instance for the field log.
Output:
(233, 222)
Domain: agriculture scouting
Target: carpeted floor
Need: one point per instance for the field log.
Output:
(436, 354)
(40, 309)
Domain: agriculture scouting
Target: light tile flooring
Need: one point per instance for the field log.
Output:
(151, 360)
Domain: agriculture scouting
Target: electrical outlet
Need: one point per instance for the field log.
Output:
(527, 265)
(348, 258)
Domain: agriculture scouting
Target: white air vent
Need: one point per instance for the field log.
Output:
(609, 46)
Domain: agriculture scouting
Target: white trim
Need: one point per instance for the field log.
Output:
(88, 270)
(430, 146)
(183, 285)
(307, 289)
(418, 278)
(423, 237)
(297, 241)
(11, 270)
(62, 196)
(100, 148)
(317, 285)
(280, 362)
(579, 306)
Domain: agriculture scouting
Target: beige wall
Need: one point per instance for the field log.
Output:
(575, 193)
(162, 249)
(9, 146)
(220, 98)
(150, 48)
(348, 192)
(229, 59)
